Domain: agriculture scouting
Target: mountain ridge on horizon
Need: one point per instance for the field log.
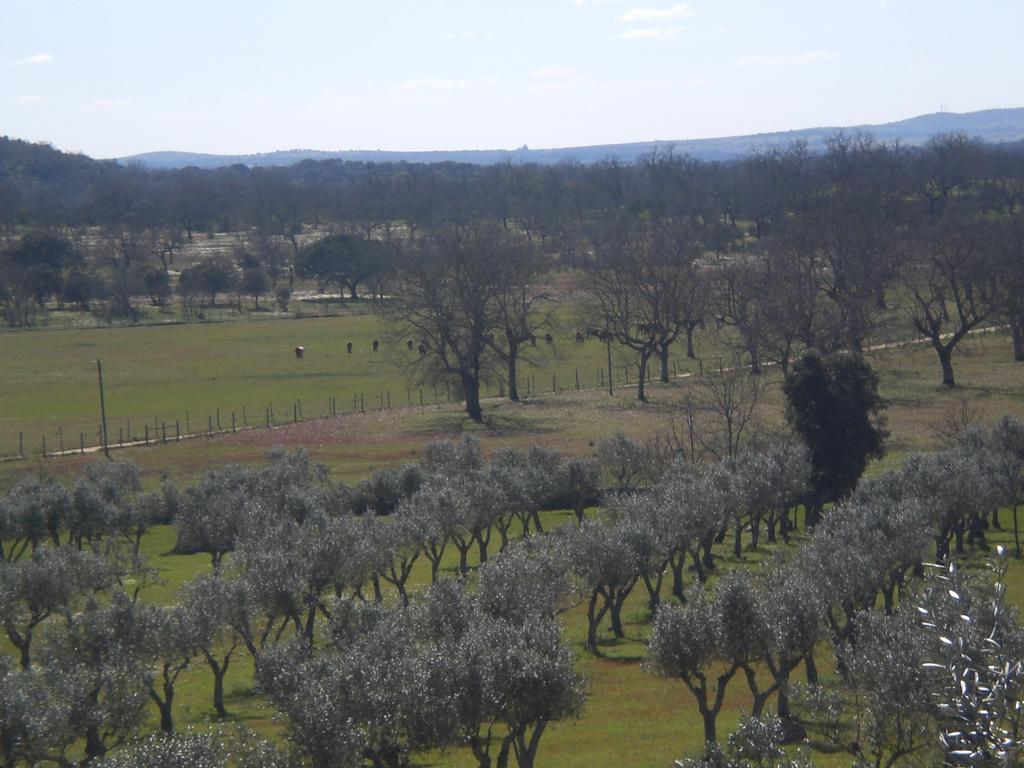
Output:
(1003, 125)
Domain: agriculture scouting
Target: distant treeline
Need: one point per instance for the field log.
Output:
(44, 187)
(789, 249)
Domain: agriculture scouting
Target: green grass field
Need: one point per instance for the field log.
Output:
(632, 718)
(178, 377)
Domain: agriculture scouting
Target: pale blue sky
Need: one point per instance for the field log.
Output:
(113, 77)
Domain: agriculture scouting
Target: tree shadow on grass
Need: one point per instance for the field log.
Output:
(607, 644)
(493, 424)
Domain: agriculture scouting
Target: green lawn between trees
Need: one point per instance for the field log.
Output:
(156, 375)
(632, 718)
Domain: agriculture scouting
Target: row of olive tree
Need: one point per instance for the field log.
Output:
(853, 586)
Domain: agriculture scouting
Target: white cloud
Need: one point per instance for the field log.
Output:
(563, 85)
(808, 57)
(650, 33)
(553, 71)
(32, 99)
(99, 104)
(36, 58)
(678, 11)
(432, 84)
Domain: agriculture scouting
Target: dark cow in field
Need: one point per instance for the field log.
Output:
(299, 352)
(599, 333)
(408, 344)
(348, 347)
(549, 339)
(376, 345)
(579, 337)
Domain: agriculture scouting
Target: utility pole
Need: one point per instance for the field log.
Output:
(608, 344)
(103, 411)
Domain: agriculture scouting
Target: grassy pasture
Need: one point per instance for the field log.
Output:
(156, 375)
(632, 718)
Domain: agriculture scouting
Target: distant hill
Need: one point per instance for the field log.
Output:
(990, 125)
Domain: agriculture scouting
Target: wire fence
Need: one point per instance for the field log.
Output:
(188, 425)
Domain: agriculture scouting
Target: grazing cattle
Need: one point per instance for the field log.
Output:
(376, 345)
(533, 340)
(599, 334)
(299, 352)
(549, 339)
(408, 344)
(579, 337)
(349, 347)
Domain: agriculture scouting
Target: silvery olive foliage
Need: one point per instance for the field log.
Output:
(220, 748)
(976, 665)
(441, 671)
(101, 657)
(607, 570)
(362, 668)
(756, 743)
(32, 512)
(53, 581)
(623, 460)
(39, 720)
(686, 643)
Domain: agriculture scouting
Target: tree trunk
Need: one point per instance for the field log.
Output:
(513, 360)
(811, 668)
(615, 600)
(1017, 333)
(663, 359)
(677, 563)
(25, 648)
(710, 733)
(482, 543)
(471, 390)
(594, 617)
(946, 360)
(526, 750)
(689, 343)
(218, 689)
(166, 717)
(1016, 532)
(483, 757)
(640, 394)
